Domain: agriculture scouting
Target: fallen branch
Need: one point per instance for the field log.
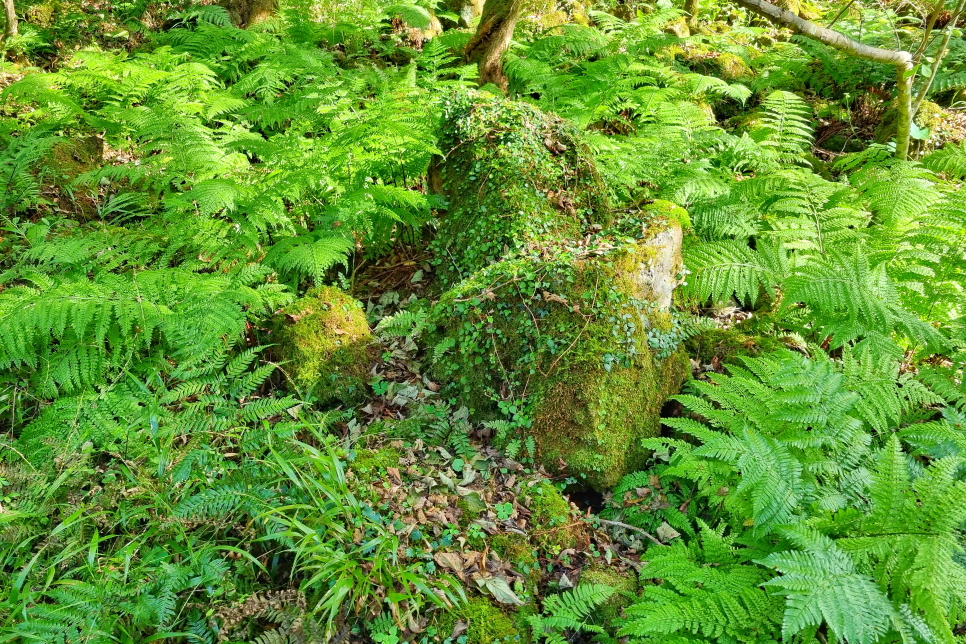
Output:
(628, 527)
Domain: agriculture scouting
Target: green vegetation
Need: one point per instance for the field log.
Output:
(460, 322)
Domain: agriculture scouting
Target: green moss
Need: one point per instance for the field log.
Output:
(327, 345)
(562, 329)
(373, 460)
(726, 345)
(515, 178)
(520, 552)
(568, 336)
(705, 60)
(594, 420)
(551, 517)
(487, 623)
(624, 584)
(732, 67)
(470, 510)
(670, 211)
(67, 160)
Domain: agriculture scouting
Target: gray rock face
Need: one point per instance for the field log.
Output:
(656, 276)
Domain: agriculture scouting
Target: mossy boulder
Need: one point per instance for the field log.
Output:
(557, 307)
(66, 161)
(705, 60)
(327, 345)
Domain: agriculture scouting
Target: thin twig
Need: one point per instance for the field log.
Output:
(628, 527)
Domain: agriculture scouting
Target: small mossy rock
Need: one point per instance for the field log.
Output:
(515, 177)
(326, 342)
(624, 584)
(554, 523)
(67, 160)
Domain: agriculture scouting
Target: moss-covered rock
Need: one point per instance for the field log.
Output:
(553, 521)
(579, 341)
(67, 160)
(705, 60)
(327, 345)
(562, 311)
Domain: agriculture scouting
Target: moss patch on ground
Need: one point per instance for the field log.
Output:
(375, 460)
(554, 524)
(327, 345)
(487, 624)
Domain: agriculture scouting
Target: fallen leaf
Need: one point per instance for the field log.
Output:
(458, 629)
(474, 503)
(665, 532)
(500, 590)
(449, 561)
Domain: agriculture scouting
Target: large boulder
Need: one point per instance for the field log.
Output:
(557, 309)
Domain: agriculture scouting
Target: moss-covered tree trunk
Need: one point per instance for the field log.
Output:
(692, 8)
(249, 12)
(492, 39)
(10, 25)
(904, 75)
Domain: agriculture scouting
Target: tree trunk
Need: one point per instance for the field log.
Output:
(692, 8)
(10, 27)
(901, 60)
(248, 12)
(904, 109)
(492, 38)
(937, 58)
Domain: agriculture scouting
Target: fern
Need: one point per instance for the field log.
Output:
(950, 160)
(786, 125)
(721, 270)
(821, 584)
(710, 592)
(569, 611)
